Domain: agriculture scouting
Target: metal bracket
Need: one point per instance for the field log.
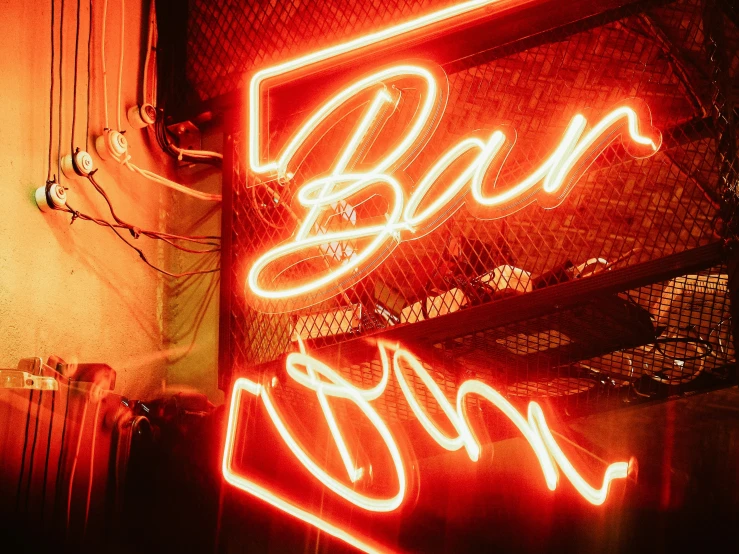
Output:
(188, 136)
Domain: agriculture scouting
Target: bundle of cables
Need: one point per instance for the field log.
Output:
(210, 243)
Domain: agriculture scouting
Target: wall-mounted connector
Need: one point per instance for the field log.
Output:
(51, 196)
(141, 116)
(78, 164)
(111, 144)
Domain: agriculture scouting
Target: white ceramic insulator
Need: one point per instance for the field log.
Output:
(117, 144)
(68, 167)
(57, 197)
(141, 116)
(83, 161)
(101, 147)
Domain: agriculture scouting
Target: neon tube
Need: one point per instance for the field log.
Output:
(422, 120)
(318, 194)
(254, 100)
(326, 382)
(267, 495)
(448, 443)
(334, 386)
(381, 234)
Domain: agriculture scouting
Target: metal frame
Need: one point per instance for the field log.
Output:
(525, 24)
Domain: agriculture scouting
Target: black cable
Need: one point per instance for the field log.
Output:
(89, 43)
(135, 232)
(74, 89)
(168, 47)
(60, 459)
(683, 340)
(33, 447)
(162, 136)
(184, 248)
(51, 93)
(78, 215)
(48, 450)
(23, 455)
(166, 237)
(61, 95)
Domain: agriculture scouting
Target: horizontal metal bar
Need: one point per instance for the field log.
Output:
(527, 306)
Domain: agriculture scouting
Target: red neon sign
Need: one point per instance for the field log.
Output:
(472, 165)
(328, 386)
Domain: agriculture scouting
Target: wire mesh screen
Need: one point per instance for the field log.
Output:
(623, 212)
(227, 39)
(668, 338)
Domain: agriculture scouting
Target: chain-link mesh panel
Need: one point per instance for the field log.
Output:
(227, 39)
(623, 212)
(672, 337)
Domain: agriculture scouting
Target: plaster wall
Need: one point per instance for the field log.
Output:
(76, 290)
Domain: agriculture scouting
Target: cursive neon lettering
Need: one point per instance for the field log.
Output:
(426, 208)
(328, 383)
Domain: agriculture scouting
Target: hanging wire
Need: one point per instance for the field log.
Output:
(48, 450)
(207, 240)
(149, 48)
(60, 460)
(33, 447)
(79, 215)
(89, 57)
(119, 107)
(105, 69)
(23, 454)
(51, 93)
(197, 156)
(72, 472)
(61, 96)
(74, 88)
(91, 472)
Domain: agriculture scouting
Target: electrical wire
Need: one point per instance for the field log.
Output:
(23, 454)
(74, 88)
(196, 153)
(33, 446)
(48, 450)
(61, 95)
(161, 133)
(105, 70)
(171, 184)
(79, 215)
(201, 155)
(194, 156)
(74, 461)
(51, 93)
(89, 57)
(149, 45)
(92, 468)
(119, 107)
(164, 73)
(167, 237)
(60, 459)
(186, 283)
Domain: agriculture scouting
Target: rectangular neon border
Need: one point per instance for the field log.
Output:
(255, 97)
(245, 385)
